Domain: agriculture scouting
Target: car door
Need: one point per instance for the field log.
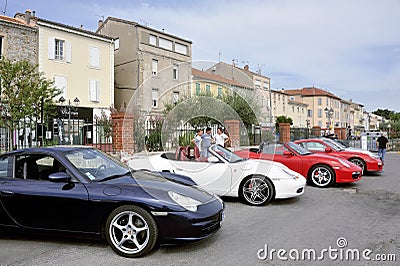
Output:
(45, 204)
(290, 159)
(6, 163)
(215, 176)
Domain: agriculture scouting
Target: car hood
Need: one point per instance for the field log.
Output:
(156, 185)
(361, 151)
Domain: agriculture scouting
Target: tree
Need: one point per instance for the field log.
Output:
(25, 93)
(386, 113)
(282, 119)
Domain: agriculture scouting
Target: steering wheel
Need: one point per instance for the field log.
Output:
(100, 167)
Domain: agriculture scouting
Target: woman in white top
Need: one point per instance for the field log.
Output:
(221, 138)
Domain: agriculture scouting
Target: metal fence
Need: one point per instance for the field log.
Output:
(56, 132)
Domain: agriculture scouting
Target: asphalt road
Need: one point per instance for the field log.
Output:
(336, 223)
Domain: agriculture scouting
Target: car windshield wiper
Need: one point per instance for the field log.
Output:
(114, 176)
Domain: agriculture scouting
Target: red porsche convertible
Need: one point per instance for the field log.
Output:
(320, 170)
(368, 161)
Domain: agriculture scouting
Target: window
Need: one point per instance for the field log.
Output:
(180, 48)
(293, 109)
(309, 113)
(208, 89)
(197, 89)
(265, 85)
(59, 49)
(327, 101)
(153, 39)
(5, 167)
(166, 44)
(257, 83)
(60, 83)
(154, 67)
(319, 113)
(175, 71)
(94, 54)
(319, 101)
(219, 92)
(1, 46)
(175, 97)
(320, 123)
(116, 44)
(94, 91)
(154, 98)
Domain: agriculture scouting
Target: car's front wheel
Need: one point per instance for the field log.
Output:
(256, 190)
(131, 231)
(359, 162)
(321, 176)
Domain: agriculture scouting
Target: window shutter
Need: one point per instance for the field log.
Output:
(97, 91)
(68, 52)
(92, 90)
(94, 57)
(51, 48)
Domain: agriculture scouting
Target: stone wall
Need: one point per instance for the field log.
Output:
(19, 42)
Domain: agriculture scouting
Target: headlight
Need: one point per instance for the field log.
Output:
(290, 173)
(186, 202)
(344, 163)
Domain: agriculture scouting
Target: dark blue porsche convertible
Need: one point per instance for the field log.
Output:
(82, 191)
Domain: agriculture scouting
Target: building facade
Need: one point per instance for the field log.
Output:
(81, 64)
(18, 39)
(151, 66)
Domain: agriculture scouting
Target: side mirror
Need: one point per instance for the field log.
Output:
(287, 153)
(328, 150)
(60, 177)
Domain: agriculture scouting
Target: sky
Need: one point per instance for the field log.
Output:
(350, 48)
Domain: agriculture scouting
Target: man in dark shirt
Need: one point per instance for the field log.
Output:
(381, 142)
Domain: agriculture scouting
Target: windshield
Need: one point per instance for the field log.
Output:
(297, 148)
(96, 165)
(226, 154)
(339, 145)
(333, 144)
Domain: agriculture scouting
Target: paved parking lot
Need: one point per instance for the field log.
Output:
(348, 218)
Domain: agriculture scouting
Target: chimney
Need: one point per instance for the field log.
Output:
(246, 67)
(100, 23)
(33, 13)
(28, 16)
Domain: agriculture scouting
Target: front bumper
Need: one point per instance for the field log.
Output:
(289, 187)
(374, 166)
(345, 175)
(191, 226)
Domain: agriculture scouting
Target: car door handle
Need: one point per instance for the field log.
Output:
(6, 193)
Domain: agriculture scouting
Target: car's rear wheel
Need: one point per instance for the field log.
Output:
(321, 176)
(359, 162)
(131, 231)
(256, 190)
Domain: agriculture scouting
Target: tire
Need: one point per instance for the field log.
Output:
(321, 176)
(256, 190)
(131, 231)
(359, 162)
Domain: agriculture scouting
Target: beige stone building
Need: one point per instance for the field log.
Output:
(81, 64)
(151, 67)
(323, 107)
(257, 87)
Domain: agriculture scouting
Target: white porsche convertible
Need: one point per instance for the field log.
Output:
(256, 182)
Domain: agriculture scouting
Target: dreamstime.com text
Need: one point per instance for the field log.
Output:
(339, 253)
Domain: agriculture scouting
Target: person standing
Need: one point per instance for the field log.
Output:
(206, 140)
(197, 142)
(221, 138)
(382, 142)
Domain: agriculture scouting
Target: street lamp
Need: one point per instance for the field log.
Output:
(329, 115)
(389, 127)
(68, 107)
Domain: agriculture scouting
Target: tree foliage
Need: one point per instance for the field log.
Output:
(25, 92)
